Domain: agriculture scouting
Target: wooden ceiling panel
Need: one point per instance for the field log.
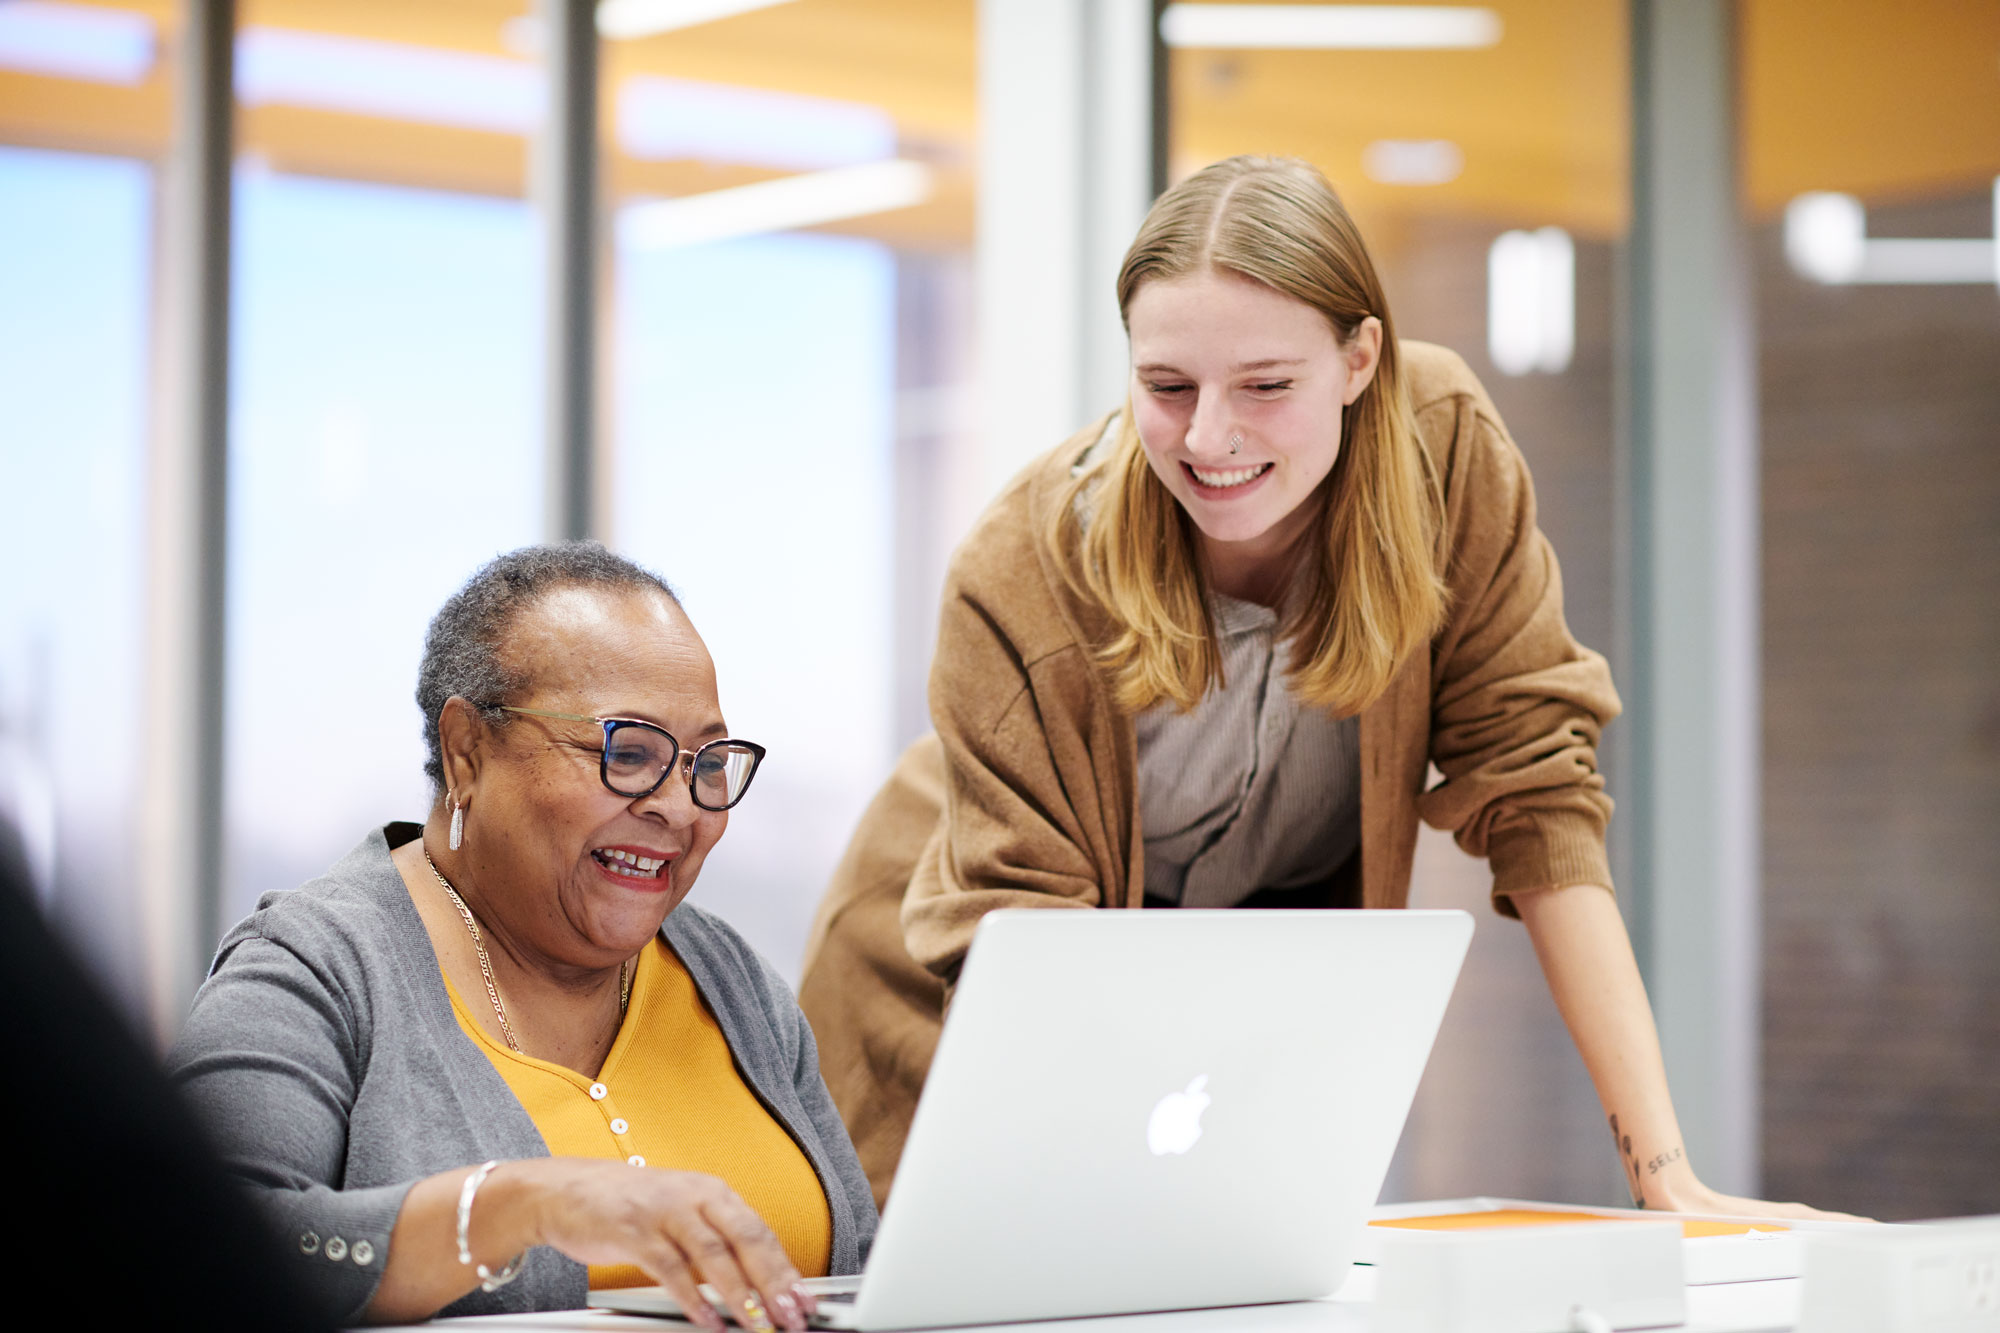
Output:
(1890, 102)
(1886, 100)
(1540, 116)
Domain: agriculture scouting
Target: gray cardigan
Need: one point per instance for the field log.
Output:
(323, 1057)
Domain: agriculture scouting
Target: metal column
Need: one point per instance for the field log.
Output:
(1689, 777)
(565, 189)
(180, 837)
(1069, 104)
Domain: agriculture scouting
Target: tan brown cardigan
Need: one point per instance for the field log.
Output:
(1027, 794)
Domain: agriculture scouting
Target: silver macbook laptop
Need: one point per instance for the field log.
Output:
(1133, 1111)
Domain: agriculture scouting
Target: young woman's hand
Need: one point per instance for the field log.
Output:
(1695, 1197)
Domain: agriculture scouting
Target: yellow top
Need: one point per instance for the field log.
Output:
(669, 1096)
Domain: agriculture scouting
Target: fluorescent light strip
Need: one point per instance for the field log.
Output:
(785, 204)
(76, 42)
(1826, 239)
(393, 80)
(1531, 301)
(1330, 27)
(622, 20)
(1413, 161)
(1911, 261)
(663, 119)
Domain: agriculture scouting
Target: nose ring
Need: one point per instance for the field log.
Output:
(1235, 443)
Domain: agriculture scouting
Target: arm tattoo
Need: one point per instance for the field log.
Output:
(1633, 1179)
(1636, 1177)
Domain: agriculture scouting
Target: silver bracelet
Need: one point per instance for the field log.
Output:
(488, 1279)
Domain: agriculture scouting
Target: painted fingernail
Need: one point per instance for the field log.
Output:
(788, 1310)
(804, 1298)
(754, 1315)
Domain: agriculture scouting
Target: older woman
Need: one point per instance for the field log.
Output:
(483, 1064)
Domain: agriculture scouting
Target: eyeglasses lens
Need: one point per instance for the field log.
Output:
(637, 756)
(721, 772)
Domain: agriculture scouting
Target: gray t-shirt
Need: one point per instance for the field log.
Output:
(1251, 790)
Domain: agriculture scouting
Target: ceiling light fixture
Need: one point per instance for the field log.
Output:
(389, 80)
(1330, 27)
(1826, 239)
(1413, 161)
(1531, 301)
(76, 42)
(785, 204)
(620, 20)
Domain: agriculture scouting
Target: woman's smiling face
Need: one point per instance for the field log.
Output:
(1216, 358)
(567, 868)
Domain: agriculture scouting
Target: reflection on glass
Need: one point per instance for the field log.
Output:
(385, 438)
(74, 266)
(756, 378)
(1488, 175)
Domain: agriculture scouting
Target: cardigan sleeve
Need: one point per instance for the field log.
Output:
(267, 1059)
(1036, 811)
(1517, 705)
(824, 1120)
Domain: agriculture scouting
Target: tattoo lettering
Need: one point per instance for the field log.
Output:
(1666, 1158)
(1625, 1155)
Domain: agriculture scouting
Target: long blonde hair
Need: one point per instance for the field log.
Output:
(1374, 593)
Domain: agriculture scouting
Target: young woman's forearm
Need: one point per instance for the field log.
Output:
(1587, 957)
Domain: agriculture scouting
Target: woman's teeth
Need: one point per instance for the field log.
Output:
(628, 863)
(1226, 477)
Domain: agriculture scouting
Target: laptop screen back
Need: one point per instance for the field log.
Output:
(1147, 1110)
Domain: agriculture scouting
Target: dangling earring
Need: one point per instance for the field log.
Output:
(457, 824)
(1235, 443)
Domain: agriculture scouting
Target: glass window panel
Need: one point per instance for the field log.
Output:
(755, 410)
(385, 416)
(1490, 183)
(1881, 528)
(791, 360)
(75, 297)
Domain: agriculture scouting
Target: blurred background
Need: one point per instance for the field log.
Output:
(842, 266)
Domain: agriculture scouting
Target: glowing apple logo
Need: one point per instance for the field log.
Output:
(1176, 1122)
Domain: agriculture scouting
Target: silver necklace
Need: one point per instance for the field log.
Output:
(486, 964)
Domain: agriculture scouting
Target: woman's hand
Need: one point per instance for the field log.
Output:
(1695, 1197)
(681, 1228)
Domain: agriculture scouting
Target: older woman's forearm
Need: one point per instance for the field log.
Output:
(681, 1227)
(422, 1274)
(1587, 958)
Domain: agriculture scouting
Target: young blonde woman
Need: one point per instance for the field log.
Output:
(1204, 653)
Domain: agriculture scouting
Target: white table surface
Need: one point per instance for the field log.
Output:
(1738, 1307)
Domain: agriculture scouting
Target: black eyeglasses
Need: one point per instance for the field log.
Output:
(638, 757)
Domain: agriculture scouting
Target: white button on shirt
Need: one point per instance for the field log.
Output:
(619, 1126)
(598, 1092)
(635, 1160)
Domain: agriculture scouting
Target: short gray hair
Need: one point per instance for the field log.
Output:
(464, 650)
